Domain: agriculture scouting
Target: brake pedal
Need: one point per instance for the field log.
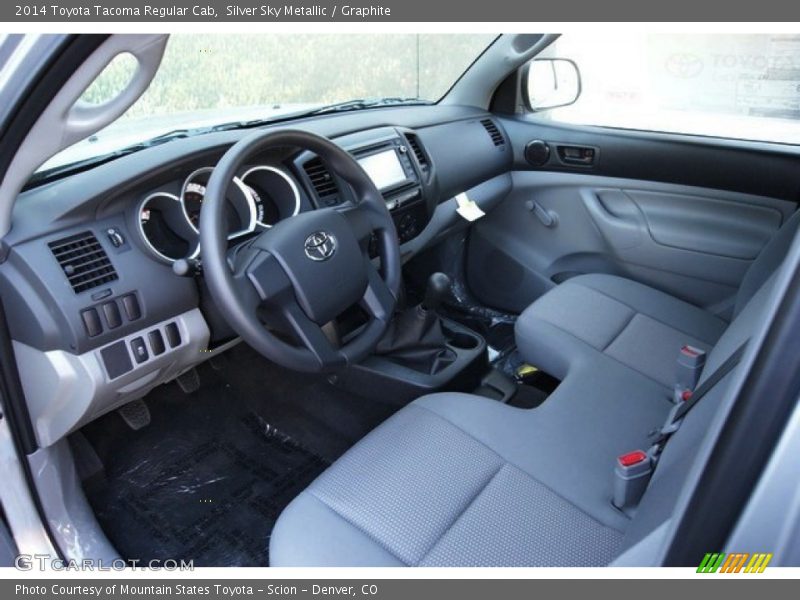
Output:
(189, 381)
(135, 414)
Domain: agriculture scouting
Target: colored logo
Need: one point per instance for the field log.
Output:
(737, 562)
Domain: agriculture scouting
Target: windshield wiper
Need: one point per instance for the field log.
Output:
(363, 103)
(345, 106)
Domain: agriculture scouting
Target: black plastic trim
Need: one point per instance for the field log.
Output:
(15, 409)
(760, 168)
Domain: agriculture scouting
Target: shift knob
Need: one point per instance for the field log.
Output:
(438, 287)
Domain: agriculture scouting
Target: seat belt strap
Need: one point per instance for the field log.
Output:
(679, 412)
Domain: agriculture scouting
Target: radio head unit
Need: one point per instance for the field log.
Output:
(389, 166)
(384, 168)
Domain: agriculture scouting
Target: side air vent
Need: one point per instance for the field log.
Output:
(416, 148)
(494, 132)
(83, 261)
(324, 184)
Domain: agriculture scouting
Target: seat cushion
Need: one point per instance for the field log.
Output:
(461, 480)
(633, 324)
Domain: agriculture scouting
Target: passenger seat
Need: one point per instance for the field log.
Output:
(633, 324)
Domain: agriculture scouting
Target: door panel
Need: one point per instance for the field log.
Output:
(707, 225)
(693, 243)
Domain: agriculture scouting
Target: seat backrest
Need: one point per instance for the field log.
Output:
(767, 262)
(680, 452)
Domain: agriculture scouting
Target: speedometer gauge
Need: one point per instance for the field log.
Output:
(275, 195)
(193, 196)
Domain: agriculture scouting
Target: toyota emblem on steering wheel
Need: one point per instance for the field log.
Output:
(320, 246)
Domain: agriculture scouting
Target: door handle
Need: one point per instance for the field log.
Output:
(584, 156)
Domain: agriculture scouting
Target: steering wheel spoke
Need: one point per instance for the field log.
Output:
(311, 336)
(266, 276)
(378, 300)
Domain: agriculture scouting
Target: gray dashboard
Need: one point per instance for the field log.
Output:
(98, 328)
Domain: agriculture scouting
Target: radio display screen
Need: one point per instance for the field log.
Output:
(384, 169)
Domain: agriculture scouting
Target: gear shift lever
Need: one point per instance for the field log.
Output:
(439, 285)
(415, 336)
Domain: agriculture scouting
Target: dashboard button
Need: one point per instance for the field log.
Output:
(111, 311)
(139, 350)
(91, 322)
(131, 305)
(156, 342)
(173, 335)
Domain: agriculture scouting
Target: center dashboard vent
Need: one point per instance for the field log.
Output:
(83, 261)
(497, 137)
(323, 182)
(416, 148)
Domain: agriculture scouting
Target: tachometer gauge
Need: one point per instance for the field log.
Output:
(162, 229)
(193, 196)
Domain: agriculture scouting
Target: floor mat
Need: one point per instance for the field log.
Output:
(206, 480)
(213, 500)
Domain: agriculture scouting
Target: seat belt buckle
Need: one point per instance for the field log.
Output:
(690, 365)
(631, 476)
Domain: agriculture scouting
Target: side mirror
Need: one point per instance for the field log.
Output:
(551, 83)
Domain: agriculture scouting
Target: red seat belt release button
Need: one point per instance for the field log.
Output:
(632, 458)
(631, 476)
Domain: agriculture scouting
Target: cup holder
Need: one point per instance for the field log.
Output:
(461, 340)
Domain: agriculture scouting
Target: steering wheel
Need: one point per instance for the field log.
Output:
(306, 270)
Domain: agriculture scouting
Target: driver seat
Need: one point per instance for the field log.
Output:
(459, 480)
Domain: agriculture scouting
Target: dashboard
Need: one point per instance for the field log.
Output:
(97, 314)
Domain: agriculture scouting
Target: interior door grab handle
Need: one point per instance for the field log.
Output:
(547, 217)
(577, 155)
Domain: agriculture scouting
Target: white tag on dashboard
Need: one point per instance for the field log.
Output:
(467, 208)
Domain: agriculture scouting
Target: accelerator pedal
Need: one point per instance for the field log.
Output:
(135, 414)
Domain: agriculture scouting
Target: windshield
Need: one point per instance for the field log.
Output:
(207, 80)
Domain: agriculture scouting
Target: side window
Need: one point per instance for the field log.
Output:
(733, 86)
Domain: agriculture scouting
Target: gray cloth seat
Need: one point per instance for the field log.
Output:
(636, 325)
